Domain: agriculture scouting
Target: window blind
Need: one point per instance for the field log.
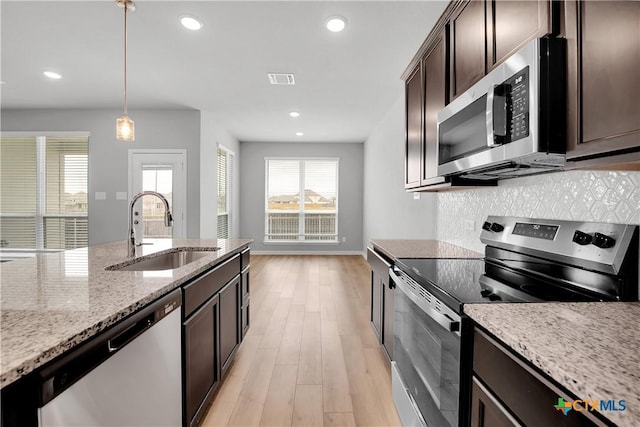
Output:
(225, 174)
(43, 194)
(301, 200)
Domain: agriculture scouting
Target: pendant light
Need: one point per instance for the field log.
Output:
(125, 130)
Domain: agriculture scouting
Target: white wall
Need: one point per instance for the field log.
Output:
(389, 211)
(350, 187)
(212, 135)
(108, 161)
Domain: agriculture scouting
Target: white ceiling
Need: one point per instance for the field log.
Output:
(345, 82)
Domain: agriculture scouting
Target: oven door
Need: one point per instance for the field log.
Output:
(426, 367)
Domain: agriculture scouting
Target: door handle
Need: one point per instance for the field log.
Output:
(500, 102)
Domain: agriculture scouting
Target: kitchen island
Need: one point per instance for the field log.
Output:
(592, 350)
(53, 302)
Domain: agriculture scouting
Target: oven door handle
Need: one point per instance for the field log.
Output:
(444, 320)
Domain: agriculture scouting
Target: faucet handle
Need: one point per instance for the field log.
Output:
(168, 219)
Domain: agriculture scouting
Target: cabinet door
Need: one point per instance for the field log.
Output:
(245, 311)
(486, 411)
(376, 303)
(435, 96)
(511, 24)
(467, 36)
(230, 304)
(200, 359)
(604, 64)
(387, 317)
(413, 128)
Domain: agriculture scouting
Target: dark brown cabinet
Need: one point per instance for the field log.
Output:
(381, 308)
(604, 88)
(230, 305)
(413, 128)
(511, 24)
(486, 411)
(201, 374)
(435, 99)
(212, 331)
(467, 45)
(508, 391)
(245, 278)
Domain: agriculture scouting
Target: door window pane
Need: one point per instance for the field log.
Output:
(160, 180)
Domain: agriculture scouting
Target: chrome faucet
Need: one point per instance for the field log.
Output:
(168, 219)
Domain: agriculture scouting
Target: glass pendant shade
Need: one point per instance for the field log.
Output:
(125, 129)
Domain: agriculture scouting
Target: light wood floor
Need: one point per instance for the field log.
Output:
(310, 357)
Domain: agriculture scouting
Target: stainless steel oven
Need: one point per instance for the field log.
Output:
(427, 356)
(526, 261)
(512, 122)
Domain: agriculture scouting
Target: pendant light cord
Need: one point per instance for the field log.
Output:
(126, 6)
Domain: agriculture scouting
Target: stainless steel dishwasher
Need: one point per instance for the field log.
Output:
(129, 375)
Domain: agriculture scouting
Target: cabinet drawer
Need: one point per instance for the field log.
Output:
(245, 258)
(527, 394)
(202, 288)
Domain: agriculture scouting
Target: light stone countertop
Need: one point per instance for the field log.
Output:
(419, 248)
(591, 349)
(52, 302)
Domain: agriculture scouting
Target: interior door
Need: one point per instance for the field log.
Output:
(163, 171)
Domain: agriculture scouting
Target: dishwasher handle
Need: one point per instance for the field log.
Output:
(132, 332)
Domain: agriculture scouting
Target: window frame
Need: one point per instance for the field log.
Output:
(302, 239)
(40, 215)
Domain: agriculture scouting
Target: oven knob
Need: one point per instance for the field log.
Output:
(486, 226)
(497, 227)
(582, 238)
(602, 241)
(485, 292)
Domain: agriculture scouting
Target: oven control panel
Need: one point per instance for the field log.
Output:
(597, 246)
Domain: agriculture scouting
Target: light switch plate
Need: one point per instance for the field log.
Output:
(101, 195)
(121, 195)
(416, 196)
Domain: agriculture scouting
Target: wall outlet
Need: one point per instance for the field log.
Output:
(416, 196)
(344, 239)
(469, 225)
(101, 195)
(122, 195)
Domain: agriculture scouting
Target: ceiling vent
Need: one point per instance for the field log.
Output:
(281, 79)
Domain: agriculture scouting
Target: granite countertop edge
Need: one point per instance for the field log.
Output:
(13, 369)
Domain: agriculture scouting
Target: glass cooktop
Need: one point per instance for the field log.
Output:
(462, 281)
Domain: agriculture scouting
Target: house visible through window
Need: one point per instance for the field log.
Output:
(301, 200)
(43, 192)
(225, 175)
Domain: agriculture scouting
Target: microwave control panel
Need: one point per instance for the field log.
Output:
(517, 88)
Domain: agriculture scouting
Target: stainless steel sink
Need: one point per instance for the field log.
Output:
(164, 261)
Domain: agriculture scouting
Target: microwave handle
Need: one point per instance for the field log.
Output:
(494, 101)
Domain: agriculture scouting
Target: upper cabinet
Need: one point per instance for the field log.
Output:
(468, 54)
(511, 24)
(604, 87)
(413, 127)
(472, 37)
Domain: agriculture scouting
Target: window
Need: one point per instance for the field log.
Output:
(301, 200)
(225, 177)
(43, 192)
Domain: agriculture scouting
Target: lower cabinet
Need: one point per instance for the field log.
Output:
(507, 391)
(201, 375)
(214, 310)
(381, 301)
(229, 323)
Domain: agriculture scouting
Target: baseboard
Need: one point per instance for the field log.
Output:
(363, 254)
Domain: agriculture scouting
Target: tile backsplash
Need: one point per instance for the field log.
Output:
(574, 195)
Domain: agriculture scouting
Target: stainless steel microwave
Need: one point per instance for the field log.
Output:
(512, 122)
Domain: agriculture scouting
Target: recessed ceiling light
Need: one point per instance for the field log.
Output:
(294, 114)
(191, 22)
(299, 133)
(335, 24)
(52, 75)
